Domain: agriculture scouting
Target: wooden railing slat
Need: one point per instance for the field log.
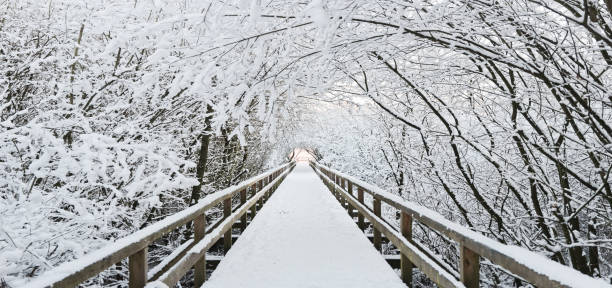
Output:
(227, 238)
(175, 273)
(469, 267)
(243, 219)
(420, 260)
(515, 260)
(349, 188)
(360, 216)
(254, 208)
(200, 266)
(73, 273)
(376, 232)
(405, 264)
(138, 265)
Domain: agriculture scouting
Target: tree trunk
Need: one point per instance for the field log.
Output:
(202, 158)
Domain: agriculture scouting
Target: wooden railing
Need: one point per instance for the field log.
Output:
(519, 262)
(189, 255)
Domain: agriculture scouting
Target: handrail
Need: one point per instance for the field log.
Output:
(198, 252)
(531, 266)
(134, 246)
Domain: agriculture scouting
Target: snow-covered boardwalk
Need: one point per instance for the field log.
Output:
(303, 238)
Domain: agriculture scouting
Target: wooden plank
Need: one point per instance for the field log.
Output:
(406, 265)
(377, 240)
(200, 266)
(227, 211)
(393, 260)
(469, 267)
(138, 265)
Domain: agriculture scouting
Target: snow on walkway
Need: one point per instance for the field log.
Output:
(302, 237)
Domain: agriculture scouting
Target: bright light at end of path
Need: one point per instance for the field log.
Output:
(302, 155)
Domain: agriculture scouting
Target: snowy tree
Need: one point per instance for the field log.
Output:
(114, 114)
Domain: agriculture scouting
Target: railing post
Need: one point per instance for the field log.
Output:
(263, 197)
(200, 266)
(253, 189)
(227, 211)
(260, 201)
(269, 193)
(334, 186)
(342, 200)
(243, 218)
(377, 240)
(405, 264)
(360, 216)
(340, 193)
(350, 192)
(138, 269)
(275, 184)
(336, 191)
(469, 267)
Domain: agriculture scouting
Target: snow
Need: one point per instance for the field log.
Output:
(93, 143)
(303, 238)
(428, 263)
(531, 260)
(69, 268)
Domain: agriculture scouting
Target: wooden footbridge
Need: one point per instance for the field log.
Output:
(295, 233)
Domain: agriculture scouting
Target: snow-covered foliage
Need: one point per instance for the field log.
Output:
(103, 109)
(497, 114)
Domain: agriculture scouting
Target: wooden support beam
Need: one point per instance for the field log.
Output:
(359, 215)
(134, 247)
(333, 177)
(472, 244)
(343, 185)
(227, 211)
(430, 268)
(405, 264)
(392, 260)
(200, 266)
(243, 218)
(138, 269)
(469, 267)
(261, 198)
(253, 189)
(349, 188)
(377, 242)
(338, 194)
